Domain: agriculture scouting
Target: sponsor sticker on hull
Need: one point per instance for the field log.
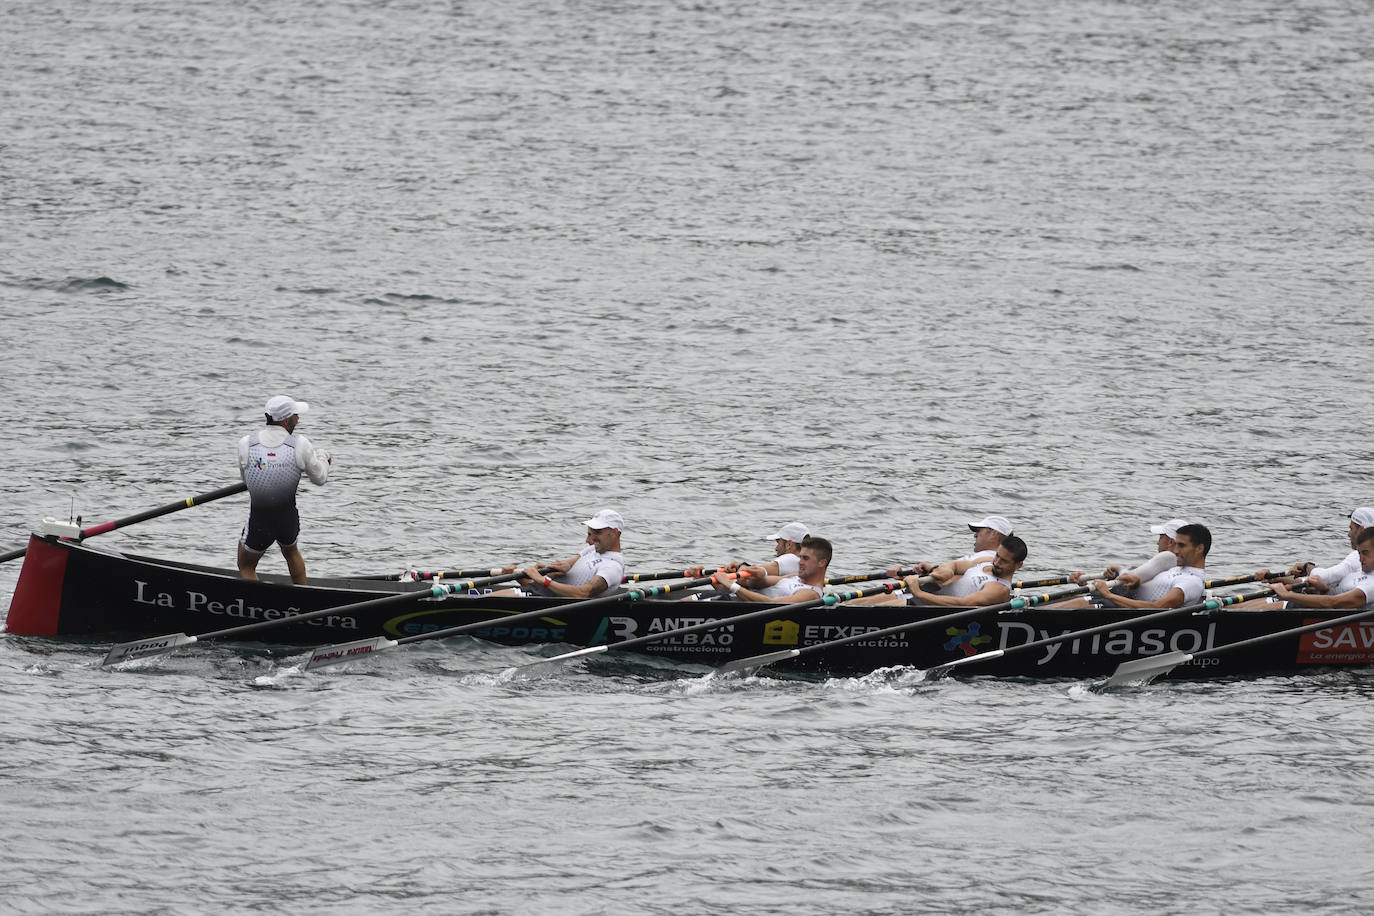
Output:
(1349, 644)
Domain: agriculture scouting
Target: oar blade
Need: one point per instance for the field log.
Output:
(342, 652)
(145, 648)
(1144, 670)
(939, 671)
(756, 661)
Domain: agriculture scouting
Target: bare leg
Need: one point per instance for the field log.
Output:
(295, 563)
(879, 599)
(248, 562)
(1071, 602)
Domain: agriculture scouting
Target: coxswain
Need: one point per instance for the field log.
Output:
(271, 461)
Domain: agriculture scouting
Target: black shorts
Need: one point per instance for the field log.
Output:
(278, 523)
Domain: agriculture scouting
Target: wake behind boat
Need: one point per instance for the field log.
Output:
(68, 589)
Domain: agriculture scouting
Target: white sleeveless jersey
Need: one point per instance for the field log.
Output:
(272, 472)
(789, 564)
(590, 565)
(787, 587)
(1188, 579)
(973, 579)
(1350, 566)
(1358, 579)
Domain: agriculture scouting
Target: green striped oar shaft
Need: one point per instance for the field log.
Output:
(177, 506)
(343, 652)
(159, 645)
(1014, 604)
(771, 610)
(1210, 604)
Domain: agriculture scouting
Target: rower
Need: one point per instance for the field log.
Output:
(979, 583)
(1354, 591)
(1143, 582)
(1176, 587)
(598, 567)
(807, 585)
(787, 545)
(1323, 579)
(989, 533)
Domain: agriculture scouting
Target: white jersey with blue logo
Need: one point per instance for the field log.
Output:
(591, 565)
(271, 461)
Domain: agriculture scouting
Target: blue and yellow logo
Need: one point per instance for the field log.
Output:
(969, 640)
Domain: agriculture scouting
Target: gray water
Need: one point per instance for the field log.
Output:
(881, 267)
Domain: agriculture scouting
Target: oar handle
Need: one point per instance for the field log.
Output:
(869, 577)
(187, 503)
(103, 527)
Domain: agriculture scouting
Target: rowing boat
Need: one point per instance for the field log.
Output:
(71, 590)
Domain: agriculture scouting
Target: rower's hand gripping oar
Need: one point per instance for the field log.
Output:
(177, 506)
(1144, 670)
(768, 658)
(160, 645)
(344, 652)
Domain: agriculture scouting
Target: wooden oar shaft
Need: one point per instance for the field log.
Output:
(1014, 604)
(165, 510)
(177, 506)
(1210, 604)
(770, 610)
(633, 594)
(435, 591)
(868, 577)
(1294, 631)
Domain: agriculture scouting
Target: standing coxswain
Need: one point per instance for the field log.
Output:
(271, 461)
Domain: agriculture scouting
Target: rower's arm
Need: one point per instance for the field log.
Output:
(589, 590)
(1174, 598)
(992, 593)
(1351, 600)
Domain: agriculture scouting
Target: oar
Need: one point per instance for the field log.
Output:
(498, 570)
(1041, 583)
(1210, 604)
(1015, 604)
(160, 645)
(1144, 670)
(772, 610)
(143, 516)
(869, 577)
(434, 574)
(343, 652)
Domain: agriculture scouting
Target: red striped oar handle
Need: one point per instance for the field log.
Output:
(164, 510)
(177, 506)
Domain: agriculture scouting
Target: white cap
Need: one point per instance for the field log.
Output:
(1169, 528)
(606, 518)
(995, 522)
(281, 407)
(1363, 516)
(792, 531)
